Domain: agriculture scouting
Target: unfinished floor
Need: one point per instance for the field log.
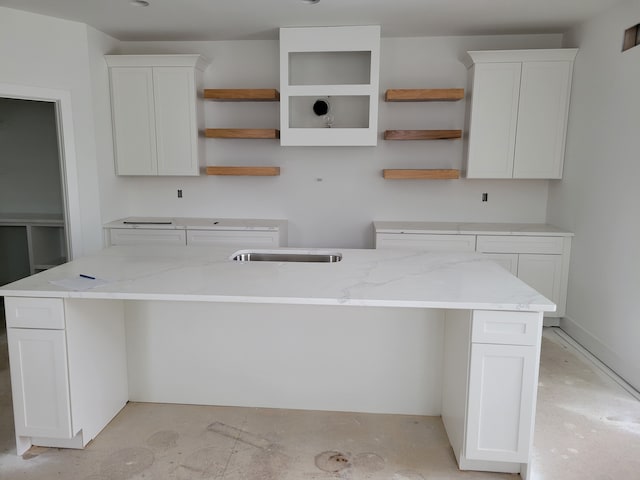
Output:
(588, 427)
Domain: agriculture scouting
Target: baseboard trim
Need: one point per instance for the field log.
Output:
(594, 351)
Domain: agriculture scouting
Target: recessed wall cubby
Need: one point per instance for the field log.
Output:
(335, 65)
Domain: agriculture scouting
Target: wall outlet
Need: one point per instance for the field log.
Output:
(179, 193)
(485, 197)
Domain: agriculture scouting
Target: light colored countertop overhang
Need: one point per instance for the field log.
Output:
(367, 277)
(470, 228)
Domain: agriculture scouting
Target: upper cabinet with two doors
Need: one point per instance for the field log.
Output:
(156, 113)
(517, 116)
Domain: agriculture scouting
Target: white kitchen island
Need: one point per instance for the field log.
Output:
(383, 331)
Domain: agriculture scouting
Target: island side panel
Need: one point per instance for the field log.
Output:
(97, 362)
(455, 381)
(365, 359)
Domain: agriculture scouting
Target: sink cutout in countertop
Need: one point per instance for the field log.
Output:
(286, 256)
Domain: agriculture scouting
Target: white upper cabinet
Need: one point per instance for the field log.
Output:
(156, 113)
(517, 113)
(329, 85)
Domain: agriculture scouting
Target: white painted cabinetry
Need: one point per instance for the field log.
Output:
(39, 360)
(156, 113)
(537, 254)
(196, 231)
(490, 377)
(339, 66)
(146, 236)
(502, 384)
(68, 369)
(436, 243)
(517, 114)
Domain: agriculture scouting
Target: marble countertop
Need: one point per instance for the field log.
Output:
(541, 229)
(364, 277)
(182, 223)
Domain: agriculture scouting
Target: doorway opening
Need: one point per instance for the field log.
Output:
(32, 207)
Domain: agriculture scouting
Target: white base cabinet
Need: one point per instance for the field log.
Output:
(539, 258)
(245, 233)
(490, 383)
(68, 369)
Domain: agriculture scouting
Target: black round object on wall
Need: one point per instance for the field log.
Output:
(321, 107)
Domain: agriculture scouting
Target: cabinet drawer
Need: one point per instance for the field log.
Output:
(131, 236)
(246, 238)
(436, 243)
(503, 327)
(43, 313)
(519, 244)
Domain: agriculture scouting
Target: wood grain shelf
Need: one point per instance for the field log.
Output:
(242, 94)
(422, 134)
(244, 171)
(250, 133)
(421, 174)
(424, 95)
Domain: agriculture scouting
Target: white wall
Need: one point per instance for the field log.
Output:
(113, 195)
(330, 195)
(598, 198)
(29, 161)
(43, 52)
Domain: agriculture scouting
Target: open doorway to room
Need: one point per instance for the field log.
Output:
(33, 233)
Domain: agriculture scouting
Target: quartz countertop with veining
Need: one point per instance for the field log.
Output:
(364, 277)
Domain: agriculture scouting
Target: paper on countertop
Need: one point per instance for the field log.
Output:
(79, 283)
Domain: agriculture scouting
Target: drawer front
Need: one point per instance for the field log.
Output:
(506, 328)
(519, 244)
(42, 313)
(435, 243)
(131, 236)
(235, 238)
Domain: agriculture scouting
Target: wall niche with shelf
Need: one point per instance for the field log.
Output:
(338, 66)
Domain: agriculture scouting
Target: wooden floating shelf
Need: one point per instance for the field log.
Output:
(244, 171)
(422, 134)
(421, 174)
(242, 94)
(251, 133)
(424, 95)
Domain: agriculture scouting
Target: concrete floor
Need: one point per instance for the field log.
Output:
(588, 427)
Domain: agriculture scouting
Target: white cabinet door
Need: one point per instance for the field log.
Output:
(134, 131)
(176, 126)
(145, 236)
(493, 120)
(40, 382)
(543, 273)
(501, 402)
(542, 119)
(435, 243)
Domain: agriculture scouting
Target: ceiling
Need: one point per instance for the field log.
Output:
(260, 19)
